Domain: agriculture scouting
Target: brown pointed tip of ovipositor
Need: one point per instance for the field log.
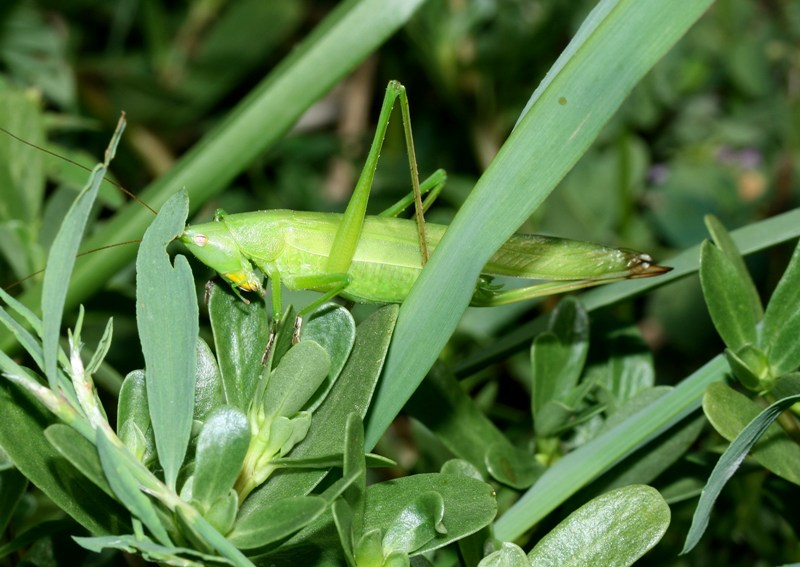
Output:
(642, 266)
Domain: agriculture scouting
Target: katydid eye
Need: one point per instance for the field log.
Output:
(200, 240)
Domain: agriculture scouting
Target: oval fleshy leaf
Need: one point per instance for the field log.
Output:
(241, 332)
(300, 372)
(221, 448)
(614, 529)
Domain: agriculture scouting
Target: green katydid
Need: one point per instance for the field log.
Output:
(378, 258)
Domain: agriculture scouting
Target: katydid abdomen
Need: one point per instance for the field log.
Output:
(294, 247)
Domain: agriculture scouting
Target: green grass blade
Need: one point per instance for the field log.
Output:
(618, 43)
(166, 314)
(61, 260)
(348, 36)
(727, 465)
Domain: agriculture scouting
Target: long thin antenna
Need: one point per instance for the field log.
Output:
(75, 163)
(87, 252)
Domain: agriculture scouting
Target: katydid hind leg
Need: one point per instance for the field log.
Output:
(431, 188)
(349, 230)
(414, 170)
(487, 296)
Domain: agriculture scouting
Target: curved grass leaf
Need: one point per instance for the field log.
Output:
(730, 412)
(579, 94)
(727, 465)
(166, 314)
(614, 529)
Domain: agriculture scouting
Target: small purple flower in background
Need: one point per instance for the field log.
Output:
(746, 158)
(658, 174)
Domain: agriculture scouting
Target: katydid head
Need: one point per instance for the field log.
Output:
(213, 244)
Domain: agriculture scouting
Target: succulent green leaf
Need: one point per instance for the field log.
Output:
(221, 447)
(509, 555)
(416, 524)
(222, 512)
(630, 368)
(241, 332)
(133, 417)
(729, 463)
(730, 411)
(351, 393)
(728, 298)
(512, 466)
(368, 549)
(751, 367)
(300, 372)
(461, 466)
(168, 328)
(468, 505)
(725, 243)
(343, 522)
(208, 394)
(614, 529)
(782, 320)
(334, 329)
(354, 466)
(102, 349)
(552, 374)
